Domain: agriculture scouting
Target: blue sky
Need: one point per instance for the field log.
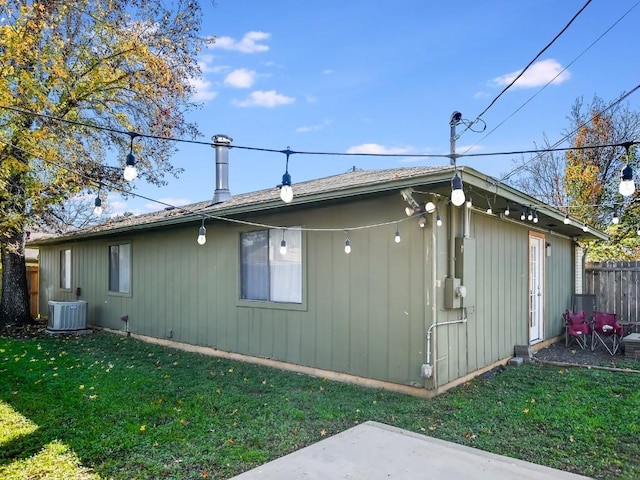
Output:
(385, 77)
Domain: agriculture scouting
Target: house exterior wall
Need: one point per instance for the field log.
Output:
(365, 314)
(362, 313)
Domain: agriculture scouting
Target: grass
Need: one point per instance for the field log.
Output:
(110, 407)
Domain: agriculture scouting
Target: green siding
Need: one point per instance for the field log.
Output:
(365, 313)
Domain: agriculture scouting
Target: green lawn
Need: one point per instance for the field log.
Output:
(104, 406)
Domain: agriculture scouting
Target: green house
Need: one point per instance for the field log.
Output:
(429, 295)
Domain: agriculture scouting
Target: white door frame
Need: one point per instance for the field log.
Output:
(536, 287)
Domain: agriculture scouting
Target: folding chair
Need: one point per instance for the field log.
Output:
(576, 328)
(606, 331)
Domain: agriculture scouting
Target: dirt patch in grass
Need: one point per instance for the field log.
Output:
(599, 357)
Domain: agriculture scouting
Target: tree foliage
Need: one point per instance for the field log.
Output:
(584, 181)
(120, 65)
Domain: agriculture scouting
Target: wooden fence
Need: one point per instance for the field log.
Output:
(616, 286)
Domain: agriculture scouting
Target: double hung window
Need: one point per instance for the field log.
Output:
(271, 271)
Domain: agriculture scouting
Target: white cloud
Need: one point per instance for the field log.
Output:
(269, 99)
(240, 78)
(248, 44)
(328, 71)
(539, 74)
(313, 128)
(203, 90)
(375, 148)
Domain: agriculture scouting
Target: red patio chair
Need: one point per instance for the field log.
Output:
(606, 331)
(576, 328)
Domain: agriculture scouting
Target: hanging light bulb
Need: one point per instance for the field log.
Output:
(469, 202)
(585, 228)
(347, 246)
(627, 185)
(283, 245)
(638, 231)
(616, 219)
(430, 207)
(130, 171)
(523, 215)
(567, 220)
(97, 209)
(438, 220)
(457, 193)
(422, 221)
(286, 192)
(530, 215)
(397, 238)
(489, 209)
(535, 216)
(409, 211)
(202, 234)
(507, 212)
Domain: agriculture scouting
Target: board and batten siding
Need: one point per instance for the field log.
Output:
(362, 313)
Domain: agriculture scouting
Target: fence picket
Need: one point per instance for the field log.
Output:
(615, 285)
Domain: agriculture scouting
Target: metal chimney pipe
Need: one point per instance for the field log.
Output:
(222, 193)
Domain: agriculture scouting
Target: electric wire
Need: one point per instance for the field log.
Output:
(512, 114)
(546, 47)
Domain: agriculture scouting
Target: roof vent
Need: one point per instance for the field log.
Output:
(222, 193)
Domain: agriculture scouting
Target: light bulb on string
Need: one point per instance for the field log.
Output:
(469, 202)
(616, 219)
(530, 215)
(430, 207)
(457, 193)
(489, 209)
(438, 219)
(506, 211)
(535, 216)
(422, 221)
(347, 245)
(286, 191)
(409, 211)
(585, 228)
(397, 238)
(130, 171)
(523, 215)
(627, 185)
(202, 234)
(567, 220)
(283, 245)
(97, 209)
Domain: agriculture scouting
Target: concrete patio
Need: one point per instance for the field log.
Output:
(375, 451)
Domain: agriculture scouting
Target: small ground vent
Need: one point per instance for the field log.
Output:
(67, 316)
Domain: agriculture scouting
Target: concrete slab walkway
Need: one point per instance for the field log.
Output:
(373, 451)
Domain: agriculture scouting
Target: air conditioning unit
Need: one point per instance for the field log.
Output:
(67, 315)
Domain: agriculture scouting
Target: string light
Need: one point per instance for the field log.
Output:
(438, 218)
(397, 238)
(202, 234)
(457, 193)
(535, 216)
(130, 171)
(627, 185)
(616, 219)
(283, 245)
(585, 228)
(347, 244)
(422, 221)
(506, 211)
(523, 215)
(469, 202)
(567, 220)
(489, 209)
(97, 209)
(286, 191)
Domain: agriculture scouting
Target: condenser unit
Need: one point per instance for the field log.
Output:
(67, 315)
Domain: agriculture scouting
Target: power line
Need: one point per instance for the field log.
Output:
(546, 47)
(602, 35)
(563, 139)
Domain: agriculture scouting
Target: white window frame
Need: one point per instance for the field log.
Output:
(65, 269)
(120, 268)
(270, 277)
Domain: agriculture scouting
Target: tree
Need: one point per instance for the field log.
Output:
(587, 179)
(80, 79)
